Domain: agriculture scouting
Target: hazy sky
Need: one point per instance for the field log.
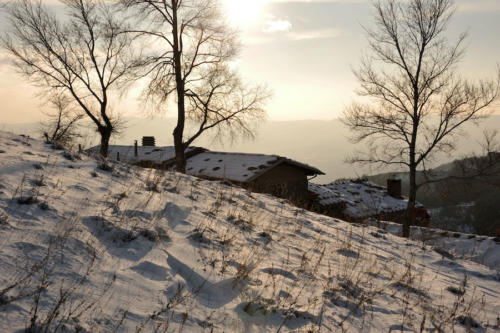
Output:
(303, 50)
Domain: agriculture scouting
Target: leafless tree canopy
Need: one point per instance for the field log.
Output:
(417, 101)
(225, 104)
(83, 54)
(190, 64)
(61, 125)
(473, 168)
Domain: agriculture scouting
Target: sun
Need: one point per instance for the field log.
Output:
(243, 12)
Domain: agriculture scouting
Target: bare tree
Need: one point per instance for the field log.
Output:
(418, 102)
(466, 172)
(61, 125)
(491, 142)
(82, 54)
(192, 65)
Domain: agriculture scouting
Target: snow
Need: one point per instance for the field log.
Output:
(362, 198)
(144, 153)
(481, 249)
(121, 249)
(236, 167)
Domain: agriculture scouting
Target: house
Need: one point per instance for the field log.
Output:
(273, 174)
(357, 200)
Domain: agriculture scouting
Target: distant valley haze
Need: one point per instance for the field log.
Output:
(320, 143)
(304, 51)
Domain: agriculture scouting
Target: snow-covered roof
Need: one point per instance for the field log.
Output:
(144, 153)
(362, 198)
(238, 167)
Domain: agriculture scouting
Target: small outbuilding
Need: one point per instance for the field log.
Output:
(357, 200)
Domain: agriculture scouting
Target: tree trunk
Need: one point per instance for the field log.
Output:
(180, 158)
(412, 196)
(105, 136)
(412, 192)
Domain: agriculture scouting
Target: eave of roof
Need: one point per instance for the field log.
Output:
(283, 160)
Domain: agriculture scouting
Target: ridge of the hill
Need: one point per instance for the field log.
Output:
(90, 246)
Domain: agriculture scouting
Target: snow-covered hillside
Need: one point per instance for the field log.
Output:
(93, 247)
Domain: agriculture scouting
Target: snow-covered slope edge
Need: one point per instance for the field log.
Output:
(94, 248)
(481, 249)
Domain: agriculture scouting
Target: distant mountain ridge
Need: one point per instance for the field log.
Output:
(452, 176)
(461, 199)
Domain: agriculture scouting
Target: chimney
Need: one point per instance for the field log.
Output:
(394, 187)
(148, 141)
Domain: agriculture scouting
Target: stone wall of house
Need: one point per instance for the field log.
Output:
(337, 211)
(285, 181)
(150, 165)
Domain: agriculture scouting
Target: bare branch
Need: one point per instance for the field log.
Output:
(83, 55)
(61, 126)
(418, 102)
(191, 63)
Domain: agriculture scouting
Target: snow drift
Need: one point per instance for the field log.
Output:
(90, 246)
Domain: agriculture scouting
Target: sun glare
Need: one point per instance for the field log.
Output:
(243, 12)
